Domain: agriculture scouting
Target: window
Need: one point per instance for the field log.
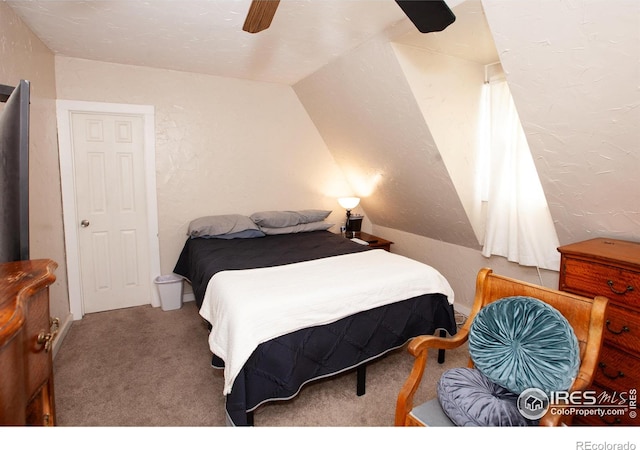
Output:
(518, 222)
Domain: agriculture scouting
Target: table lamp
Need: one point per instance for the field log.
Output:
(349, 203)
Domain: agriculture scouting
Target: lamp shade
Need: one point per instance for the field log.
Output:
(349, 202)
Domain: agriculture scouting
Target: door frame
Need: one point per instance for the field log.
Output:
(64, 109)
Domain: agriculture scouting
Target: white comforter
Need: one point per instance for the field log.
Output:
(249, 307)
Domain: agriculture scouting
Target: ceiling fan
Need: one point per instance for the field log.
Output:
(426, 15)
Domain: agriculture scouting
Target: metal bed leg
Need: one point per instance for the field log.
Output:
(361, 373)
(443, 333)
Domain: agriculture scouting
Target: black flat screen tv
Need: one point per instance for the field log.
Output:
(14, 172)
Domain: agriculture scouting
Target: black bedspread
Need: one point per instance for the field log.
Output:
(202, 258)
(279, 368)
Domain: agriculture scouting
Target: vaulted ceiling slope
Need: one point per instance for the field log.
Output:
(574, 72)
(573, 68)
(365, 111)
(402, 123)
(206, 36)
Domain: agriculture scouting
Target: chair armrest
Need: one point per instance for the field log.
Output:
(581, 383)
(422, 343)
(419, 348)
(589, 361)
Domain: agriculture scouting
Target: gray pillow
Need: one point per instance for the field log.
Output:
(469, 398)
(313, 215)
(280, 219)
(245, 234)
(302, 228)
(222, 225)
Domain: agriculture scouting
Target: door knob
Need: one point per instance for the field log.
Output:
(84, 223)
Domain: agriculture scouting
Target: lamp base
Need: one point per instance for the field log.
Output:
(354, 223)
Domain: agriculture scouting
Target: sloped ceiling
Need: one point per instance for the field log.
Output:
(574, 72)
(368, 116)
(205, 36)
(573, 68)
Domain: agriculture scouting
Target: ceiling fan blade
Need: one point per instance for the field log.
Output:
(428, 15)
(260, 15)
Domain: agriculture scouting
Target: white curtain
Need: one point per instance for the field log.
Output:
(519, 225)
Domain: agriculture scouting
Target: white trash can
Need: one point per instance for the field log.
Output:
(170, 289)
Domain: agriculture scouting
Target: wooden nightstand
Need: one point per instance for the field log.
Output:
(374, 241)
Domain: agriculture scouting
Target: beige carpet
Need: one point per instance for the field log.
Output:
(147, 367)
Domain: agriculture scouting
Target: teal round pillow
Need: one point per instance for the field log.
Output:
(522, 342)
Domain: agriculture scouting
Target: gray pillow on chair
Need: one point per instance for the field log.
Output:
(469, 398)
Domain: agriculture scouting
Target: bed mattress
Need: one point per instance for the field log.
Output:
(277, 369)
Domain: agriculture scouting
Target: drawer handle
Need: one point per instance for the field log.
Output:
(603, 368)
(628, 289)
(625, 329)
(48, 338)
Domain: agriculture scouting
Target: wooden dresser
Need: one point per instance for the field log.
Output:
(26, 337)
(611, 268)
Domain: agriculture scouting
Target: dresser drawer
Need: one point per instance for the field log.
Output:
(597, 421)
(26, 376)
(588, 278)
(617, 378)
(38, 358)
(617, 370)
(623, 329)
(607, 420)
(610, 416)
(611, 268)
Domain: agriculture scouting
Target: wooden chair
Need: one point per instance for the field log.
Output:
(585, 315)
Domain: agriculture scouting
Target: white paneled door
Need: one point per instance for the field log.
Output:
(111, 210)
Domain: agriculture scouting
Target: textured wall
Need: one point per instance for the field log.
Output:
(448, 91)
(573, 72)
(23, 56)
(223, 145)
(409, 114)
(227, 145)
(460, 265)
(574, 76)
(367, 114)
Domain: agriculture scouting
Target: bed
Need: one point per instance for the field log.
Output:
(308, 305)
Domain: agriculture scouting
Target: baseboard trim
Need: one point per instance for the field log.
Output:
(463, 309)
(63, 329)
